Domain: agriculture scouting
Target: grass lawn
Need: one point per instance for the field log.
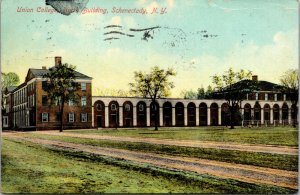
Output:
(287, 136)
(278, 161)
(30, 168)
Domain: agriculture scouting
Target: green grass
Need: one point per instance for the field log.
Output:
(287, 136)
(277, 161)
(30, 168)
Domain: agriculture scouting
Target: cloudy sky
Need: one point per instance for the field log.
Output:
(198, 38)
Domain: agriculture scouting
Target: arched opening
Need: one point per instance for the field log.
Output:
(179, 114)
(154, 113)
(141, 114)
(257, 117)
(191, 112)
(285, 113)
(214, 114)
(276, 114)
(167, 114)
(247, 114)
(127, 114)
(99, 114)
(267, 114)
(113, 114)
(203, 114)
(225, 114)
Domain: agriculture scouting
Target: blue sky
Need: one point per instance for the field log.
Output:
(261, 36)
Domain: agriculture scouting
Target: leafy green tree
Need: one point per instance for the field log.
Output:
(200, 93)
(189, 94)
(9, 79)
(209, 92)
(153, 85)
(290, 86)
(61, 87)
(233, 87)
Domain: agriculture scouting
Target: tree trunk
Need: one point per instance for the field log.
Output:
(62, 114)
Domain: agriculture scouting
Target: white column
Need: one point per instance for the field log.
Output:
(173, 117)
(208, 116)
(280, 116)
(219, 116)
(106, 117)
(271, 116)
(197, 116)
(134, 116)
(242, 112)
(161, 121)
(148, 116)
(290, 116)
(121, 116)
(262, 116)
(185, 116)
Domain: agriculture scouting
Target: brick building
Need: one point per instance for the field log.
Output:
(27, 105)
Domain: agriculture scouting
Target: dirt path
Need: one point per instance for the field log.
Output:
(272, 149)
(245, 173)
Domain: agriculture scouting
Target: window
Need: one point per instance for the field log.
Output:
(83, 117)
(266, 97)
(33, 100)
(127, 107)
(275, 96)
(71, 103)
(44, 100)
(256, 96)
(44, 85)
(45, 117)
(58, 115)
(83, 101)
(141, 107)
(284, 97)
(71, 117)
(113, 107)
(83, 86)
(5, 121)
(57, 101)
(99, 107)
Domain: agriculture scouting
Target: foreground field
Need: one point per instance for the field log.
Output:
(83, 162)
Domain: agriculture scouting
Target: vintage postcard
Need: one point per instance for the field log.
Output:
(149, 96)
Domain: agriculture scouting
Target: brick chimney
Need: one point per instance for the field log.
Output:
(254, 78)
(57, 60)
(44, 67)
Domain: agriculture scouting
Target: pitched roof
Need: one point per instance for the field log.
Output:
(42, 72)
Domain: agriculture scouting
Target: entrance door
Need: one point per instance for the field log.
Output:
(99, 121)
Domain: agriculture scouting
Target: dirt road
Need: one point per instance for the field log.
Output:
(245, 173)
(272, 149)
